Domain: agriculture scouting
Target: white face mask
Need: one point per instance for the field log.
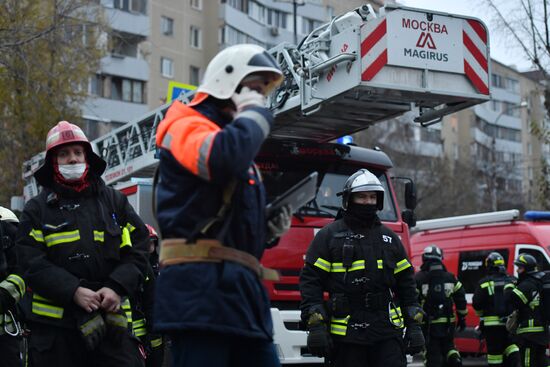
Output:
(72, 172)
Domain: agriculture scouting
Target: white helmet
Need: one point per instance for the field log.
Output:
(7, 215)
(361, 181)
(230, 66)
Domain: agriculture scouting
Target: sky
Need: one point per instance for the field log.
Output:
(500, 50)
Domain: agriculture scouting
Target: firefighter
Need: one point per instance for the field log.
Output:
(365, 270)
(83, 249)
(141, 307)
(532, 331)
(438, 289)
(12, 289)
(211, 214)
(491, 304)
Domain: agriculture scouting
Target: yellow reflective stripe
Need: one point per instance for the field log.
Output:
(509, 285)
(492, 321)
(495, 358)
(337, 268)
(62, 237)
(339, 326)
(402, 265)
(139, 323)
(322, 264)
(379, 263)
(14, 285)
(99, 236)
(533, 329)
(127, 307)
(442, 320)
(357, 265)
(462, 312)
(126, 240)
(512, 348)
(47, 310)
(130, 227)
(156, 342)
(520, 295)
(458, 285)
(37, 235)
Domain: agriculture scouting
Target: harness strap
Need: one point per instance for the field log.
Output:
(177, 251)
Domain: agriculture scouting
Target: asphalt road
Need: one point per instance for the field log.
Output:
(477, 362)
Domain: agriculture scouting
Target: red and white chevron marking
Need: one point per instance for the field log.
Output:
(474, 38)
(374, 50)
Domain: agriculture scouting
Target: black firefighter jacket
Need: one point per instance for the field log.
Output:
(367, 297)
(66, 240)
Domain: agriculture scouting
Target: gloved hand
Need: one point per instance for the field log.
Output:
(280, 223)
(155, 350)
(461, 323)
(248, 97)
(92, 329)
(414, 339)
(117, 325)
(319, 341)
(6, 301)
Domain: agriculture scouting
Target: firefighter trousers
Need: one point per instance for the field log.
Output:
(533, 355)
(199, 348)
(385, 353)
(55, 346)
(441, 351)
(9, 351)
(501, 351)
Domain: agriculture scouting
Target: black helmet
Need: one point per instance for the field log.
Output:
(494, 261)
(432, 253)
(362, 181)
(527, 261)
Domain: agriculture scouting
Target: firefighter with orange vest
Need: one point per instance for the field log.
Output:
(211, 213)
(83, 250)
(12, 289)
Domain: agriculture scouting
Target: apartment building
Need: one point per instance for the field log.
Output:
(495, 138)
(118, 91)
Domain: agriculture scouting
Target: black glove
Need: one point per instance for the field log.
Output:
(155, 350)
(92, 329)
(319, 341)
(117, 326)
(461, 323)
(6, 300)
(414, 339)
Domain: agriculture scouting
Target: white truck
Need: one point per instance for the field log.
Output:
(359, 69)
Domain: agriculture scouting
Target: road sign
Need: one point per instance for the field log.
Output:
(175, 88)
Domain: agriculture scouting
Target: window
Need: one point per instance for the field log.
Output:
(256, 11)
(276, 18)
(196, 4)
(96, 85)
(230, 36)
(497, 81)
(195, 38)
(166, 67)
(471, 269)
(127, 90)
(512, 85)
(167, 26)
(136, 6)
(241, 5)
(194, 75)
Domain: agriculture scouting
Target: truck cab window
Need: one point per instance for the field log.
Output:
(471, 268)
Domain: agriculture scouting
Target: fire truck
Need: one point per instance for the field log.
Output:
(359, 69)
(467, 240)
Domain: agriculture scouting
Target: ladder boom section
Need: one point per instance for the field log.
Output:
(365, 67)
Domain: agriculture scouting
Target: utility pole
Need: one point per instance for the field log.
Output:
(494, 201)
(295, 4)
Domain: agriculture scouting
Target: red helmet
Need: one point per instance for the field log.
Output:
(152, 232)
(64, 133)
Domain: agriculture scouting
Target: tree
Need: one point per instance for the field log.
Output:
(48, 51)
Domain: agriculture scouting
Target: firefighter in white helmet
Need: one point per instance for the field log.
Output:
(372, 295)
(211, 215)
(12, 289)
(83, 250)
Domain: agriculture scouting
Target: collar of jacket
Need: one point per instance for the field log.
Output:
(212, 111)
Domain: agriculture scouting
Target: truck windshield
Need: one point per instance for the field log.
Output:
(279, 177)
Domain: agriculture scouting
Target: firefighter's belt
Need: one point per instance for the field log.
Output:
(177, 251)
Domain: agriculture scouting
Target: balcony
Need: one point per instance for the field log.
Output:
(124, 66)
(127, 22)
(107, 110)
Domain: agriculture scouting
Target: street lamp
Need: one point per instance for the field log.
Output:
(295, 4)
(494, 206)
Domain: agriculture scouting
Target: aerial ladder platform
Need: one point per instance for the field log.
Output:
(361, 68)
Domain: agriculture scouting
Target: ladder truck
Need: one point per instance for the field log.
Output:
(359, 69)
